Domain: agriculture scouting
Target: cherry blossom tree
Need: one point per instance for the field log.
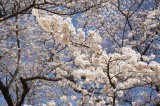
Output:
(45, 60)
(12, 8)
(19, 45)
(127, 23)
(117, 72)
(130, 22)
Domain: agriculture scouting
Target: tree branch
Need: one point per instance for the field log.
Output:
(17, 13)
(42, 78)
(25, 91)
(6, 94)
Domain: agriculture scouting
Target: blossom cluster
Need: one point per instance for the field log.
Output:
(117, 72)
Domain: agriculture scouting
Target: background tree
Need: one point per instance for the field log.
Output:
(130, 22)
(16, 45)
